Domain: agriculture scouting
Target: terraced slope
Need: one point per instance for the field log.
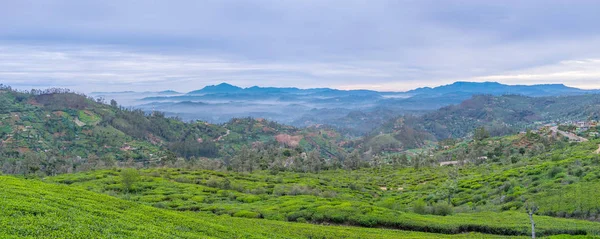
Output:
(33, 209)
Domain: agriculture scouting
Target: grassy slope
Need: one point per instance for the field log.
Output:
(488, 198)
(33, 209)
(54, 124)
(344, 208)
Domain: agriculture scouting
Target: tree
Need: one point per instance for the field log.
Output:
(31, 163)
(353, 160)
(169, 157)
(531, 209)
(113, 103)
(129, 177)
(480, 134)
(451, 184)
(5, 104)
(314, 161)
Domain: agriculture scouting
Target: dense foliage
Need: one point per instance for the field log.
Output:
(32, 209)
(475, 197)
(500, 115)
(56, 131)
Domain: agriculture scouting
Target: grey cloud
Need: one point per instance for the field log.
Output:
(381, 44)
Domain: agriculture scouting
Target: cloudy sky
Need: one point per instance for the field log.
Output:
(372, 44)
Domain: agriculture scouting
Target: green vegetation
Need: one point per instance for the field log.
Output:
(88, 169)
(63, 132)
(499, 115)
(32, 209)
(486, 198)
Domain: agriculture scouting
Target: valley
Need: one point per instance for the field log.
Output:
(467, 170)
(328, 119)
(354, 112)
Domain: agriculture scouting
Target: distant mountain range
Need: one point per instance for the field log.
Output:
(493, 88)
(306, 107)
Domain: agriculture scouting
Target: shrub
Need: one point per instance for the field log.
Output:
(249, 199)
(247, 214)
(183, 179)
(554, 171)
(328, 194)
(442, 209)
(129, 177)
(420, 208)
(213, 183)
(560, 175)
(198, 199)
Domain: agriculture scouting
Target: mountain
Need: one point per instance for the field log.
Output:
(164, 92)
(302, 107)
(220, 88)
(495, 88)
(168, 92)
(457, 88)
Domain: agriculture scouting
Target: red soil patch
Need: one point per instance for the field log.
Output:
(292, 141)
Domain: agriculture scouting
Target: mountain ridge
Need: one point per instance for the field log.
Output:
(465, 86)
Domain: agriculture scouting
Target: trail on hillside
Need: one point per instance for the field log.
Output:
(569, 135)
(598, 150)
(222, 136)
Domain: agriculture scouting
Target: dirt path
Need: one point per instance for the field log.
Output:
(571, 136)
(221, 137)
(598, 151)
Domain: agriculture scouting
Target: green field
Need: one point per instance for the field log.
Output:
(483, 198)
(33, 209)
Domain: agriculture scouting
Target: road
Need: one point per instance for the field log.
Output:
(222, 136)
(569, 135)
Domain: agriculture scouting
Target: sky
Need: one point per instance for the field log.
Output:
(395, 45)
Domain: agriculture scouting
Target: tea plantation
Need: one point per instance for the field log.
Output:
(33, 209)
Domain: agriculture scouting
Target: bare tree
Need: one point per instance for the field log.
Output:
(531, 209)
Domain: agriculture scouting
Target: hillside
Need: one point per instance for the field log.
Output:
(33, 209)
(123, 168)
(57, 131)
(500, 115)
(323, 106)
(488, 196)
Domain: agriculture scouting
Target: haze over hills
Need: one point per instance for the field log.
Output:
(300, 119)
(306, 107)
(272, 174)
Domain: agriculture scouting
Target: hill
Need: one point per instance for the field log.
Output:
(500, 115)
(33, 209)
(58, 131)
(325, 106)
(478, 195)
